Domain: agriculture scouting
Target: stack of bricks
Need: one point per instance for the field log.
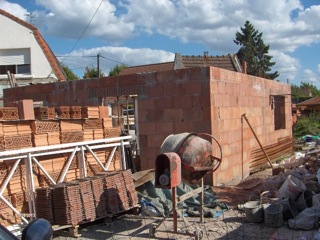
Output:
(92, 129)
(5, 211)
(108, 130)
(15, 135)
(45, 113)
(71, 131)
(9, 113)
(63, 112)
(45, 133)
(90, 112)
(75, 112)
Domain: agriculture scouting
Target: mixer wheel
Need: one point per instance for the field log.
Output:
(198, 234)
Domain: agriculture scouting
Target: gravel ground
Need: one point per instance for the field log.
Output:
(232, 224)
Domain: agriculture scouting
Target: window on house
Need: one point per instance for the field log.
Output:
(17, 61)
(279, 112)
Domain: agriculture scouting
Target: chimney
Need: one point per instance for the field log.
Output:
(244, 67)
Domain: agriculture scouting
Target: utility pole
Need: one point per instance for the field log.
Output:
(98, 64)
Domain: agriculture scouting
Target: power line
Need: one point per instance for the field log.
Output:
(115, 61)
(84, 31)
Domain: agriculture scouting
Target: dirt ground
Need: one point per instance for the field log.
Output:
(232, 224)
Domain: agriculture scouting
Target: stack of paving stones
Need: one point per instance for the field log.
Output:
(44, 203)
(130, 187)
(67, 208)
(87, 200)
(99, 195)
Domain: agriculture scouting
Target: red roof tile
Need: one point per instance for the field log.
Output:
(229, 62)
(42, 43)
(310, 102)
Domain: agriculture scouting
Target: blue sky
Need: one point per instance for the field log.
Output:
(136, 32)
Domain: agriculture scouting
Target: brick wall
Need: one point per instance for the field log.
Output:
(208, 99)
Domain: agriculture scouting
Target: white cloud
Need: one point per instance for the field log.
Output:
(286, 25)
(310, 77)
(14, 9)
(286, 65)
(70, 19)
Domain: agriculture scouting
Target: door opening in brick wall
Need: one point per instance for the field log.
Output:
(279, 112)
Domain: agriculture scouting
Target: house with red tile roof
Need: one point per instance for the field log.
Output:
(25, 53)
(228, 62)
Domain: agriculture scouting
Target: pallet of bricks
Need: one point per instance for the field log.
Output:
(22, 126)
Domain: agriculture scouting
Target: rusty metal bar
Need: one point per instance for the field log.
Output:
(266, 155)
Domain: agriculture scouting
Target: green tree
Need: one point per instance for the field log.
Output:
(254, 51)
(69, 73)
(116, 70)
(92, 72)
(303, 92)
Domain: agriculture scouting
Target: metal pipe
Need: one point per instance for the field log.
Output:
(264, 152)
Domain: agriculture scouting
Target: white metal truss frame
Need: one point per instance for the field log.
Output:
(30, 156)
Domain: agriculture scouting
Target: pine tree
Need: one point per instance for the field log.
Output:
(254, 51)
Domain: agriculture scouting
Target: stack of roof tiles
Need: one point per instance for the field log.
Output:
(99, 195)
(87, 199)
(67, 207)
(130, 188)
(44, 203)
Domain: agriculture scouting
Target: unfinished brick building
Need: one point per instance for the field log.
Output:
(202, 99)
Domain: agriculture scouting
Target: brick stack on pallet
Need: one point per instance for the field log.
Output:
(25, 126)
(45, 113)
(45, 133)
(63, 112)
(71, 131)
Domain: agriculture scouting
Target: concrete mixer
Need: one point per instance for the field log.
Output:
(185, 157)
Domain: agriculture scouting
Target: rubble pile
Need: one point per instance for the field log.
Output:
(296, 189)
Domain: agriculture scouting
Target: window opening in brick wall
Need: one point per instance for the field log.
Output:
(279, 112)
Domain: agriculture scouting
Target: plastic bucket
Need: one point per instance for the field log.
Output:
(273, 215)
(289, 208)
(254, 211)
(292, 188)
(268, 197)
(304, 200)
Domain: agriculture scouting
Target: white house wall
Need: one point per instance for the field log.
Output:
(13, 36)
